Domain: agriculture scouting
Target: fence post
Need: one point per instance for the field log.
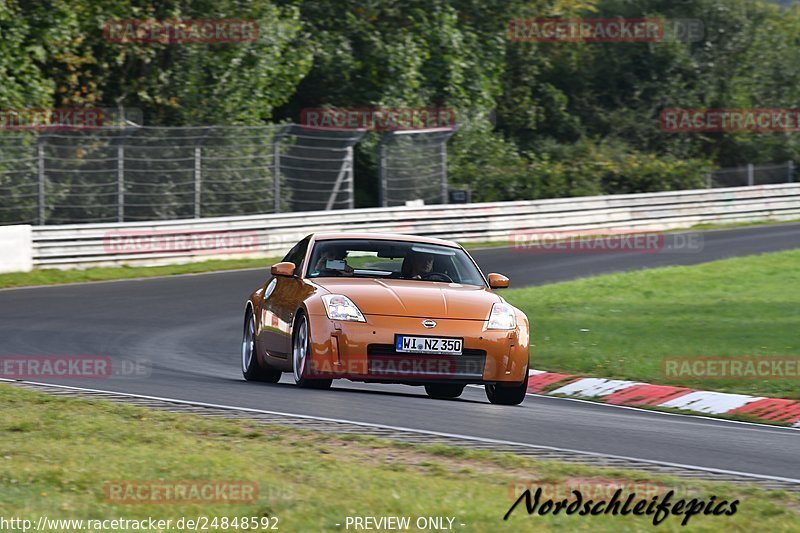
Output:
(443, 156)
(382, 184)
(40, 166)
(750, 177)
(276, 175)
(351, 202)
(791, 172)
(343, 171)
(197, 177)
(709, 183)
(121, 183)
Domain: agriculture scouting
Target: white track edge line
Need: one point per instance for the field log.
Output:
(427, 432)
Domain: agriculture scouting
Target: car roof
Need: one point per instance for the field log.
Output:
(383, 237)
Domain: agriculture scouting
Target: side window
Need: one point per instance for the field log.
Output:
(297, 254)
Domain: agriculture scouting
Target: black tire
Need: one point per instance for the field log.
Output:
(301, 339)
(502, 394)
(251, 369)
(444, 390)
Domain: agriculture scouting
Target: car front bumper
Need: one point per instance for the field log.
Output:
(364, 351)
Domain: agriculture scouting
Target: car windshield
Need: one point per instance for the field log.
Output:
(367, 258)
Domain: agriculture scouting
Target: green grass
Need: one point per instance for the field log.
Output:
(622, 325)
(56, 454)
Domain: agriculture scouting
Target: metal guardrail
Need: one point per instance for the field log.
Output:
(85, 245)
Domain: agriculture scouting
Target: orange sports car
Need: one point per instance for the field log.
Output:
(386, 309)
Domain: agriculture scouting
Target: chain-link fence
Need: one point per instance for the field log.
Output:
(413, 166)
(752, 175)
(19, 190)
(119, 174)
(317, 166)
(145, 173)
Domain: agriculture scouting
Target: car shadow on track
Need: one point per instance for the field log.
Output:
(338, 388)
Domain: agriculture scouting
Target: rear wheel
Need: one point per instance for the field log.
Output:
(251, 369)
(444, 390)
(511, 394)
(301, 343)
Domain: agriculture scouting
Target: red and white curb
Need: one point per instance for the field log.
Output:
(636, 394)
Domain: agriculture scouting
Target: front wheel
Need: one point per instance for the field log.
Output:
(301, 343)
(251, 369)
(512, 394)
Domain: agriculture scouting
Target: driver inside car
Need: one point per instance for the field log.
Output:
(333, 259)
(419, 265)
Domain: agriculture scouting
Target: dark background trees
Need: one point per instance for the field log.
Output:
(537, 119)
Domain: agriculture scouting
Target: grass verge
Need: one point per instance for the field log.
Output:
(623, 325)
(58, 453)
(55, 277)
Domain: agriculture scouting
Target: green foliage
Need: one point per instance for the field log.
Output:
(571, 118)
(487, 163)
(495, 171)
(22, 83)
(64, 45)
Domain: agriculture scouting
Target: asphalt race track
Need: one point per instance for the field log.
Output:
(189, 327)
(529, 268)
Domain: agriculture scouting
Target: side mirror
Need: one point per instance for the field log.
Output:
(285, 269)
(498, 281)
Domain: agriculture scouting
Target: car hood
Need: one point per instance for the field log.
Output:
(410, 298)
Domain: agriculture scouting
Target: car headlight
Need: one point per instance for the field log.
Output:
(339, 307)
(502, 317)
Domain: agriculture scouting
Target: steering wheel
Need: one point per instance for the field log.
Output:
(431, 276)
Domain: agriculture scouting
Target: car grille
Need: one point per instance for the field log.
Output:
(384, 360)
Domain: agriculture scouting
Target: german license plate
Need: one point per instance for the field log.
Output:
(415, 344)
